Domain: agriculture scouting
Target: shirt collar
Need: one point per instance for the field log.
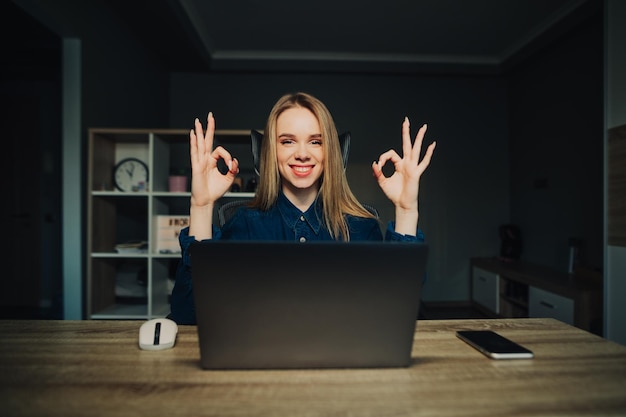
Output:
(291, 214)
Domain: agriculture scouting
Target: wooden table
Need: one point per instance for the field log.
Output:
(93, 368)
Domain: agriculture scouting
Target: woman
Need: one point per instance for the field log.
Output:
(303, 193)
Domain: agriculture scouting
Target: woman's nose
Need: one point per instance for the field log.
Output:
(302, 152)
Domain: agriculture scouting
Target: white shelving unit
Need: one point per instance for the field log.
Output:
(137, 285)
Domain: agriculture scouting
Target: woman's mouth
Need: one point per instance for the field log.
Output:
(301, 170)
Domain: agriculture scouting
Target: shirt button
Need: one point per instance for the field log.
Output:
(302, 239)
(302, 218)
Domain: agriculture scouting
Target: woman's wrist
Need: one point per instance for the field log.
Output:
(201, 207)
(406, 221)
(201, 221)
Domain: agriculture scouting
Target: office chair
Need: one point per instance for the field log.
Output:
(226, 210)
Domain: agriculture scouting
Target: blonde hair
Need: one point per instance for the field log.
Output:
(337, 198)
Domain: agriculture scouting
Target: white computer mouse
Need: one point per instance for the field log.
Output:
(157, 334)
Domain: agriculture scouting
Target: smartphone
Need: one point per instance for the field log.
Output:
(493, 345)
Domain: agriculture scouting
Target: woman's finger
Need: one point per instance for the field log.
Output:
(406, 137)
(390, 155)
(193, 146)
(210, 131)
(221, 153)
(417, 146)
(427, 157)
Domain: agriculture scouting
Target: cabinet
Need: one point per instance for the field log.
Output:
(521, 289)
(135, 282)
(542, 303)
(485, 289)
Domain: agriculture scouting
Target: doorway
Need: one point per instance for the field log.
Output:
(30, 89)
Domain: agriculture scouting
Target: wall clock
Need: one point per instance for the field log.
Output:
(130, 174)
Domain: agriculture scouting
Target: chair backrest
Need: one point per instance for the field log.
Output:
(228, 209)
(371, 209)
(256, 139)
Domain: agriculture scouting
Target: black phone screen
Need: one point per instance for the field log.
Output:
(494, 345)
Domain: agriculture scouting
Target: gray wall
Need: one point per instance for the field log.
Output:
(465, 192)
(556, 133)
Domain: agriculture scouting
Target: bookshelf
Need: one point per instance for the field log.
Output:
(134, 280)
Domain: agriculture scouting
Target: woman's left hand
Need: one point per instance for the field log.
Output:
(402, 187)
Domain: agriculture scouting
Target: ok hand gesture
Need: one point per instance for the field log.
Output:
(208, 184)
(402, 187)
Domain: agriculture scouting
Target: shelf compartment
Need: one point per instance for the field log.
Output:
(511, 307)
(122, 311)
(513, 298)
(163, 275)
(170, 151)
(118, 219)
(118, 284)
(109, 146)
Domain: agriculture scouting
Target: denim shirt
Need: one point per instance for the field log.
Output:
(284, 222)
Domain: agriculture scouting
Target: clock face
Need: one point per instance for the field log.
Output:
(131, 174)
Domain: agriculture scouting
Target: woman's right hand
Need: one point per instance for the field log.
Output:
(208, 184)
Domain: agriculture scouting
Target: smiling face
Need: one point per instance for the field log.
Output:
(299, 153)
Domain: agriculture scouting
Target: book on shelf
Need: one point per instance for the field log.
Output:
(135, 246)
(166, 231)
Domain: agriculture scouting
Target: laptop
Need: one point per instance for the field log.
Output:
(286, 305)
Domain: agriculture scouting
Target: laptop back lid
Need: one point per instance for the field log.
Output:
(277, 305)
